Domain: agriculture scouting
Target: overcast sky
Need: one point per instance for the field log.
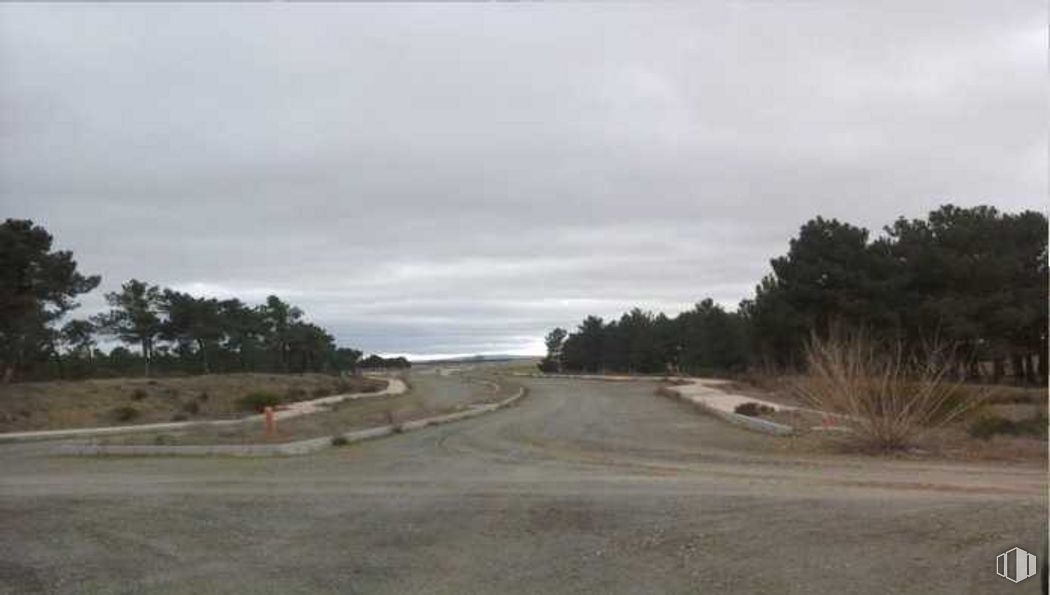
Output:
(459, 179)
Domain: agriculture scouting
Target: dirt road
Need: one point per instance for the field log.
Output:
(584, 487)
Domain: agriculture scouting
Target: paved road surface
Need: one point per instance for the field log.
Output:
(584, 487)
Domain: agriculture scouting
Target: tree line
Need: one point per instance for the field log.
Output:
(971, 278)
(168, 331)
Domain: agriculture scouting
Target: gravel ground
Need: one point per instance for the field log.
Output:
(584, 487)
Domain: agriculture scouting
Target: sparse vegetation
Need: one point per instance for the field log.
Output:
(138, 394)
(339, 441)
(295, 393)
(88, 403)
(886, 397)
(987, 426)
(125, 413)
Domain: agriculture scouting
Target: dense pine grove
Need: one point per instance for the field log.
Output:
(974, 279)
(162, 331)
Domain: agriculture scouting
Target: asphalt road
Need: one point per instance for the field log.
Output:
(584, 487)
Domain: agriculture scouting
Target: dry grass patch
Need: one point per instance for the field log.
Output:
(102, 402)
(887, 399)
(430, 395)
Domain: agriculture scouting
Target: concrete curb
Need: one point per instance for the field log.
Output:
(394, 387)
(300, 447)
(745, 421)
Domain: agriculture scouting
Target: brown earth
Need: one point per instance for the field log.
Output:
(116, 401)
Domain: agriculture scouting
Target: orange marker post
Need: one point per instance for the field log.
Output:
(268, 422)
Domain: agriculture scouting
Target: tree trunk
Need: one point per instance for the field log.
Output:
(204, 356)
(1017, 368)
(974, 373)
(145, 357)
(997, 370)
(1041, 363)
(58, 361)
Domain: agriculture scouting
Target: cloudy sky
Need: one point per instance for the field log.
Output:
(458, 179)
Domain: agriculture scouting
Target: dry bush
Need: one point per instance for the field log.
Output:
(886, 397)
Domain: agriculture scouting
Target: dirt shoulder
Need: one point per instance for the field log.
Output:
(959, 440)
(429, 394)
(129, 401)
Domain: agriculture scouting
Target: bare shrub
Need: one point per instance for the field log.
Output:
(887, 397)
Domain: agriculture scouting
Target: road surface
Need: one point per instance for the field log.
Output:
(583, 487)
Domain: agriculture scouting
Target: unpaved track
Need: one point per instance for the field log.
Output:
(584, 487)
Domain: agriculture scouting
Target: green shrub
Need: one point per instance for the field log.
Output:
(339, 441)
(162, 439)
(986, 427)
(138, 394)
(752, 409)
(125, 413)
(259, 400)
(191, 408)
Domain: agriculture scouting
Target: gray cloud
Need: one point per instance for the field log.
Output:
(459, 178)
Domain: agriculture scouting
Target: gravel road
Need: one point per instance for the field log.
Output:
(583, 487)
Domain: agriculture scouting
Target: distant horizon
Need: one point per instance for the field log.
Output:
(453, 356)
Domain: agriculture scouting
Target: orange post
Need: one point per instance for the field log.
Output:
(268, 423)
